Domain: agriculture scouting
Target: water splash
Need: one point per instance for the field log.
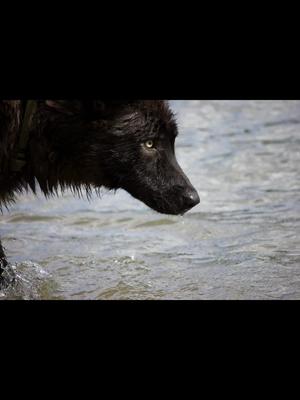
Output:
(25, 281)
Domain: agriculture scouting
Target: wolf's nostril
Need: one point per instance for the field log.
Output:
(191, 199)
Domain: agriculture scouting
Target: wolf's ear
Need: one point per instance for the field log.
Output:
(69, 107)
(89, 109)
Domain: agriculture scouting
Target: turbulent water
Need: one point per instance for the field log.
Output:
(241, 242)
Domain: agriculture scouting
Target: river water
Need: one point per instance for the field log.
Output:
(241, 242)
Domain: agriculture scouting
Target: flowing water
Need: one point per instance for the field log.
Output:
(241, 242)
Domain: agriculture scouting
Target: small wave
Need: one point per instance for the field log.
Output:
(282, 122)
(32, 218)
(150, 224)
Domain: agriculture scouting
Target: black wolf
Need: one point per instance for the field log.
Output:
(85, 144)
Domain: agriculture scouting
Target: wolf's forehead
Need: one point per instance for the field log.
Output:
(156, 125)
(148, 122)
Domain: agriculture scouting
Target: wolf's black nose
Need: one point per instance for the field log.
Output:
(191, 199)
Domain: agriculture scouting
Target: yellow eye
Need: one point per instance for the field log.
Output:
(149, 144)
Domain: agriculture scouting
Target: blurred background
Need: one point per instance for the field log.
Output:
(241, 242)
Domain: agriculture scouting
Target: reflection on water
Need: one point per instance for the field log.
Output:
(241, 242)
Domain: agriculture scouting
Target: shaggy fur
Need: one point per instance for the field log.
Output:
(89, 144)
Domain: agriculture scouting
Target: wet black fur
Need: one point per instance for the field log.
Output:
(92, 144)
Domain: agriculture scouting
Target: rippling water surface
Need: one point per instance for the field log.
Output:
(241, 242)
